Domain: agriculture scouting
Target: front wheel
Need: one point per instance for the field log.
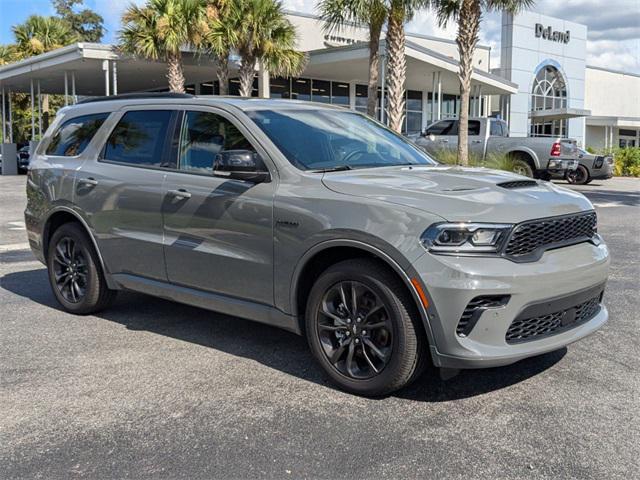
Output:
(363, 328)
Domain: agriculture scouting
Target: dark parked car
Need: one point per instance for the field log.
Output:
(590, 167)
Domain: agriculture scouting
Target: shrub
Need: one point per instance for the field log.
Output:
(627, 162)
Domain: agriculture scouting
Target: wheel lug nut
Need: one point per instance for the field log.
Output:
(364, 332)
(358, 320)
(357, 340)
(348, 320)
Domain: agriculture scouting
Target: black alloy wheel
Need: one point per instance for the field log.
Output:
(355, 330)
(364, 329)
(579, 176)
(75, 274)
(70, 270)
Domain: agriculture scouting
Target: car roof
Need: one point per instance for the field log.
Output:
(116, 102)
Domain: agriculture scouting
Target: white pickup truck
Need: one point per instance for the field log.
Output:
(535, 157)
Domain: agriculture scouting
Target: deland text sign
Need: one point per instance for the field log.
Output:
(553, 35)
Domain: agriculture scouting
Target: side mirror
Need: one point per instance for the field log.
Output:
(240, 165)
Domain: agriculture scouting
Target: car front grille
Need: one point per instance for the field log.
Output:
(475, 308)
(551, 323)
(529, 237)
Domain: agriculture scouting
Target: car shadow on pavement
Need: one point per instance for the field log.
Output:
(270, 346)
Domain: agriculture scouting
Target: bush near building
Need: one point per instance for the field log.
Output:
(626, 162)
(494, 161)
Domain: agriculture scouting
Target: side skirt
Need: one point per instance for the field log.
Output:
(209, 301)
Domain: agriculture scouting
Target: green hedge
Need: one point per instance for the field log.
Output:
(626, 162)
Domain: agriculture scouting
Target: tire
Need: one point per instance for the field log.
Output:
(71, 248)
(580, 176)
(401, 340)
(522, 167)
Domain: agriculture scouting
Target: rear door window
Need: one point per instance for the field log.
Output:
(496, 128)
(442, 128)
(474, 127)
(139, 138)
(73, 135)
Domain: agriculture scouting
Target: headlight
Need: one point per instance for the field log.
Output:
(465, 237)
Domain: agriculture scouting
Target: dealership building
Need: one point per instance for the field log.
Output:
(542, 87)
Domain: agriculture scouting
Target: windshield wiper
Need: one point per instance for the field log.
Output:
(337, 168)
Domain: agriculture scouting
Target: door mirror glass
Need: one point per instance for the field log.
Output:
(241, 165)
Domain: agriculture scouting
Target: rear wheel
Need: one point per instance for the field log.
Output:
(579, 176)
(522, 167)
(74, 271)
(363, 329)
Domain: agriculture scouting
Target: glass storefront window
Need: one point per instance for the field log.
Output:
(321, 91)
(280, 87)
(340, 93)
(362, 94)
(301, 89)
(549, 92)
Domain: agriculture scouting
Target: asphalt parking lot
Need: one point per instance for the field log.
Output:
(155, 389)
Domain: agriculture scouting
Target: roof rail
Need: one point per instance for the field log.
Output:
(136, 96)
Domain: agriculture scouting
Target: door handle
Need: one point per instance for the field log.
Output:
(180, 193)
(443, 140)
(89, 182)
(476, 141)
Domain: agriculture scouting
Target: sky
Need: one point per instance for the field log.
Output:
(613, 25)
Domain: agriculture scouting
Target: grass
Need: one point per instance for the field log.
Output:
(494, 161)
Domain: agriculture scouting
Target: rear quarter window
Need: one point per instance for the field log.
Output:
(139, 138)
(73, 135)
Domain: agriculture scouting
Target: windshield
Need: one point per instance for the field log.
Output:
(332, 139)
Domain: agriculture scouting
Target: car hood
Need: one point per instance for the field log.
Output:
(459, 194)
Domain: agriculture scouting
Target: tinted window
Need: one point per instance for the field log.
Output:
(139, 138)
(204, 135)
(496, 128)
(445, 127)
(321, 139)
(73, 135)
(474, 127)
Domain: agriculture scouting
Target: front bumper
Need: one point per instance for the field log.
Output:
(452, 282)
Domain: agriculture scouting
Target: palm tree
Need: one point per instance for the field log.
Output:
(338, 13)
(40, 34)
(264, 35)
(7, 54)
(161, 29)
(400, 12)
(468, 15)
(222, 37)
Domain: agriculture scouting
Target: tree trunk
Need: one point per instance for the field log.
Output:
(175, 74)
(374, 70)
(223, 74)
(246, 73)
(468, 27)
(396, 67)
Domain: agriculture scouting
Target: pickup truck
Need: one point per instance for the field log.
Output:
(534, 157)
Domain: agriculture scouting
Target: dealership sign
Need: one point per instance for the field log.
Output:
(552, 35)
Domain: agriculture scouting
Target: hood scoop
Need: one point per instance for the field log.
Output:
(518, 184)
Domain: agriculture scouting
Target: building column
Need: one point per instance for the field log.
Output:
(39, 111)
(10, 115)
(74, 97)
(425, 105)
(114, 86)
(33, 113)
(66, 89)
(352, 95)
(439, 95)
(105, 69)
(264, 79)
(4, 119)
(383, 80)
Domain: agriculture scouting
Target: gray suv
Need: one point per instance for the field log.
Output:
(318, 220)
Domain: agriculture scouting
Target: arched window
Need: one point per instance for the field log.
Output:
(549, 92)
